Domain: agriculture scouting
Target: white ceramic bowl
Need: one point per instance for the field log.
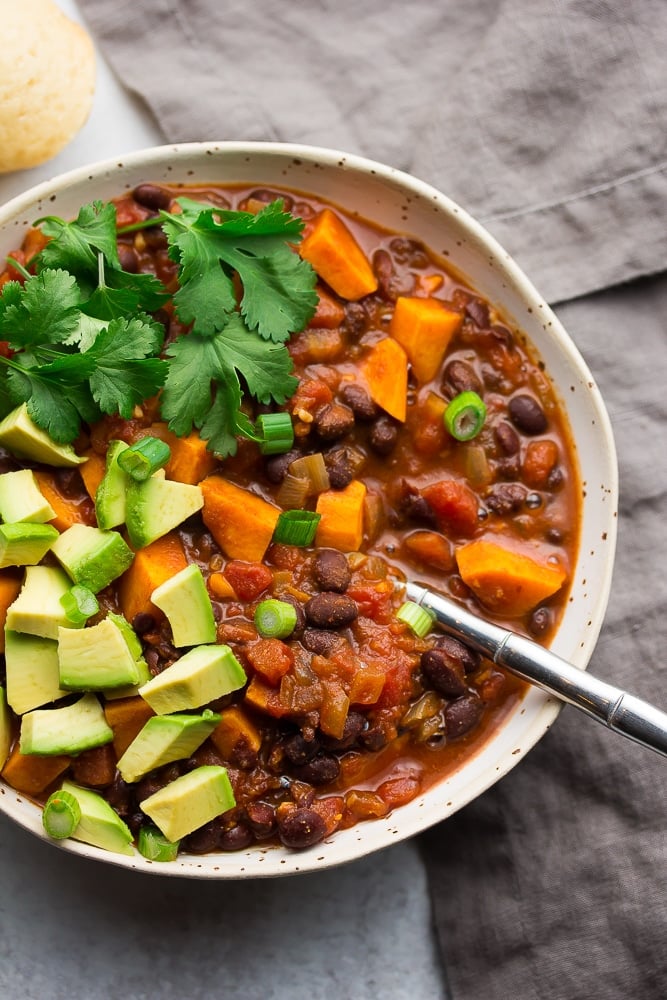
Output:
(399, 202)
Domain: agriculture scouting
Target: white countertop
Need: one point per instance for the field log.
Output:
(78, 930)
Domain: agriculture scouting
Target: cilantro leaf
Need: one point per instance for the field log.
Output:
(125, 372)
(74, 245)
(54, 406)
(266, 369)
(44, 312)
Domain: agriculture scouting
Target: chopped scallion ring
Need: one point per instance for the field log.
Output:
(144, 458)
(419, 619)
(79, 604)
(61, 815)
(152, 844)
(465, 416)
(275, 619)
(296, 527)
(277, 433)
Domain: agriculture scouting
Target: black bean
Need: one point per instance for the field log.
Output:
(69, 482)
(410, 252)
(236, 838)
(359, 401)
(339, 467)
(322, 769)
(506, 498)
(327, 610)
(267, 196)
(373, 738)
(143, 622)
(478, 311)
(334, 421)
(527, 415)
(319, 641)
(356, 318)
(155, 238)
(299, 750)
(301, 828)
(507, 438)
(331, 570)
(445, 673)
(152, 658)
(261, 819)
(458, 377)
(415, 506)
(540, 621)
(383, 435)
(391, 283)
(151, 196)
(355, 724)
(129, 260)
(458, 650)
(119, 796)
(204, 840)
(276, 466)
(462, 715)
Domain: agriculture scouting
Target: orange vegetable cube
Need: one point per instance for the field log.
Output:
(153, 565)
(190, 460)
(337, 258)
(92, 472)
(10, 584)
(342, 517)
(235, 731)
(504, 580)
(69, 510)
(30, 773)
(126, 717)
(385, 369)
(424, 327)
(241, 522)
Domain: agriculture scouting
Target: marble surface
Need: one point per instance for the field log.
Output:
(78, 930)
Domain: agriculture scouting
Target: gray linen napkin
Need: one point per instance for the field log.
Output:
(547, 121)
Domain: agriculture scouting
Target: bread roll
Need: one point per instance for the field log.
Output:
(47, 81)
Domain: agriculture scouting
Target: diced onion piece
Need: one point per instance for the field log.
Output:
(312, 468)
(293, 492)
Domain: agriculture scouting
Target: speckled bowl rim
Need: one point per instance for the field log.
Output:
(396, 200)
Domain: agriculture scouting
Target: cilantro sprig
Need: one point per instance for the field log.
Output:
(83, 343)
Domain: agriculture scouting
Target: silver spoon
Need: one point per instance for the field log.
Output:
(615, 708)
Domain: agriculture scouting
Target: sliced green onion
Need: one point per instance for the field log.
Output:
(79, 604)
(144, 458)
(152, 844)
(419, 619)
(61, 815)
(277, 433)
(275, 619)
(296, 527)
(465, 416)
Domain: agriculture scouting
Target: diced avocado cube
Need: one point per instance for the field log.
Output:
(33, 676)
(185, 601)
(21, 498)
(95, 658)
(69, 730)
(37, 609)
(92, 557)
(25, 544)
(201, 675)
(99, 825)
(156, 506)
(5, 728)
(111, 495)
(163, 739)
(190, 801)
(21, 435)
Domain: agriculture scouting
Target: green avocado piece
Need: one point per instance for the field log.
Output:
(25, 544)
(184, 600)
(21, 498)
(69, 730)
(163, 739)
(21, 435)
(95, 658)
(201, 675)
(33, 676)
(111, 495)
(92, 557)
(99, 825)
(37, 609)
(157, 505)
(190, 801)
(5, 728)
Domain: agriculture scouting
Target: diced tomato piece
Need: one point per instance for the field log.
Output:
(373, 602)
(271, 658)
(454, 505)
(248, 579)
(310, 395)
(398, 683)
(398, 791)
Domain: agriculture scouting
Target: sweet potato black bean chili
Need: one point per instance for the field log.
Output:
(368, 418)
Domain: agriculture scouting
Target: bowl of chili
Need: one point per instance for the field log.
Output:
(285, 380)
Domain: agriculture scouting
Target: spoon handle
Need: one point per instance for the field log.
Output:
(615, 708)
